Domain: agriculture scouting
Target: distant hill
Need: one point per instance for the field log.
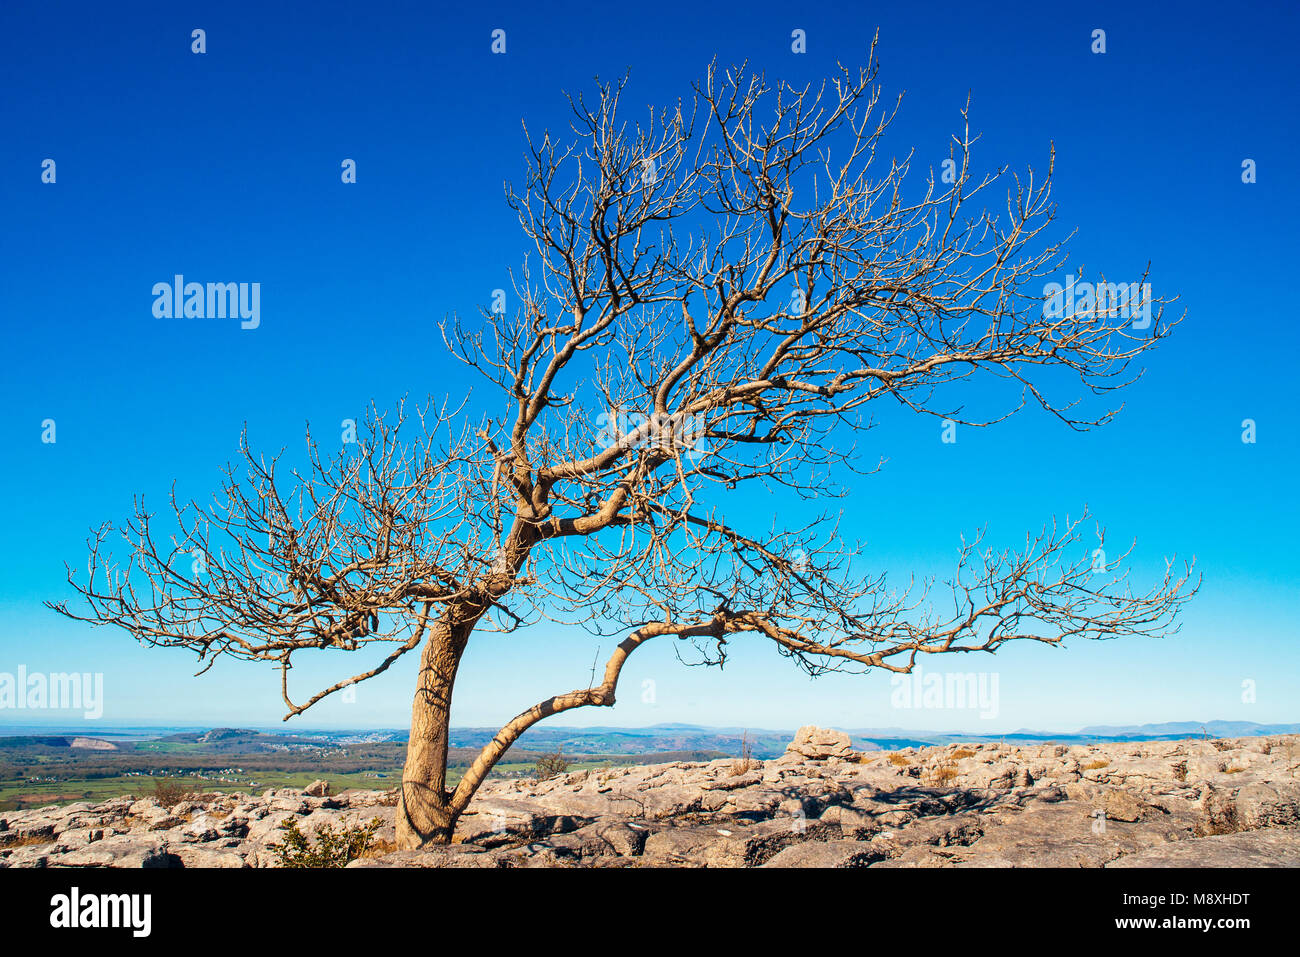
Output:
(634, 741)
(661, 739)
(225, 734)
(894, 738)
(767, 743)
(1183, 729)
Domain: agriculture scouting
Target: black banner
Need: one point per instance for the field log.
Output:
(144, 907)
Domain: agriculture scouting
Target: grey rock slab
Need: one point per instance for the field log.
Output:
(1277, 848)
(126, 851)
(453, 855)
(827, 854)
(626, 839)
(206, 857)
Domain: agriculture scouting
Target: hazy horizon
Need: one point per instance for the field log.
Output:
(52, 727)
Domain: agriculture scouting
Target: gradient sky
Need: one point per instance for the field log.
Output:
(225, 167)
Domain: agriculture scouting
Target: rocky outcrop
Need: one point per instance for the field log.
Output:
(1188, 803)
(816, 744)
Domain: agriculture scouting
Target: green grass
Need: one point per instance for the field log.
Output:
(26, 794)
(175, 747)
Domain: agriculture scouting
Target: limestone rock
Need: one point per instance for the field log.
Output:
(817, 744)
(1122, 805)
(192, 856)
(827, 854)
(1180, 803)
(624, 839)
(1243, 849)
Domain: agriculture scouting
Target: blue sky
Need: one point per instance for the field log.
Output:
(225, 166)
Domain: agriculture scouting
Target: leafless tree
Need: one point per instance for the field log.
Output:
(713, 297)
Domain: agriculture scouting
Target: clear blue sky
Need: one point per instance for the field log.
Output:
(226, 166)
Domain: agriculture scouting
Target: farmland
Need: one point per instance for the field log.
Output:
(37, 770)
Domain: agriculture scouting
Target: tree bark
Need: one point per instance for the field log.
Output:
(425, 814)
(426, 811)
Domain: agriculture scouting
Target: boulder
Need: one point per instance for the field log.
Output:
(1122, 805)
(817, 744)
(145, 807)
(1271, 804)
(625, 839)
(192, 856)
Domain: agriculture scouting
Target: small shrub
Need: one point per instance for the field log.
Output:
(379, 849)
(170, 792)
(943, 775)
(1180, 771)
(898, 761)
(1095, 765)
(962, 753)
(332, 848)
(745, 762)
(1222, 745)
(1233, 770)
(549, 765)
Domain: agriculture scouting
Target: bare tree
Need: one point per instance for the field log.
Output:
(713, 297)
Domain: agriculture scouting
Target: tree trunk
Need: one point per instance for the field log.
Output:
(425, 815)
(426, 811)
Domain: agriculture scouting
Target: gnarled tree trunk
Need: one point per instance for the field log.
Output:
(425, 814)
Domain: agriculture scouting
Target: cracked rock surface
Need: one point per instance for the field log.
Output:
(1191, 803)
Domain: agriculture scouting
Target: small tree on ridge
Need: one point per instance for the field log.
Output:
(713, 299)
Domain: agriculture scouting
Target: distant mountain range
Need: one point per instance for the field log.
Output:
(766, 743)
(762, 743)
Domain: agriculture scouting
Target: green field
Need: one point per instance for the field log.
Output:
(40, 770)
(27, 794)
